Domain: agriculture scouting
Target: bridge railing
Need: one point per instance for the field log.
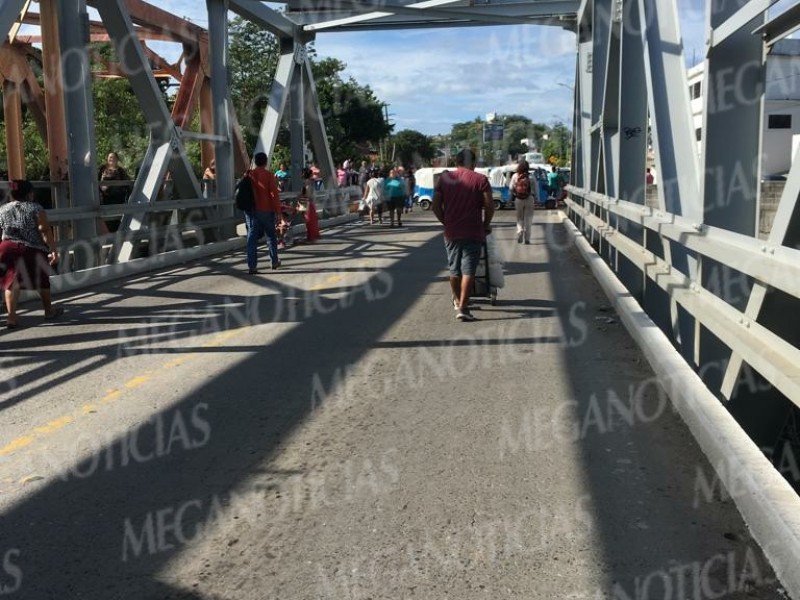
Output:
(617, 228)
(170, 225)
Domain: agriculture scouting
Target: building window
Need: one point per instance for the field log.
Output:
(698, 134)
(780, 122)
(695, 91)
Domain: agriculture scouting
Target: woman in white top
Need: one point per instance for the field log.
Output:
(521, 190)
(373, 196)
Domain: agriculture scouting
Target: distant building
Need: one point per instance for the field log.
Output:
(781, 106)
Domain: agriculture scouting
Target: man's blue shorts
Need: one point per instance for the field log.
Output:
(463, 256)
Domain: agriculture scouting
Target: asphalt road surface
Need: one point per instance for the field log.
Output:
(330, 431)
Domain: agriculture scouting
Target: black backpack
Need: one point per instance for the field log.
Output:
(522, 187)
(243, 195)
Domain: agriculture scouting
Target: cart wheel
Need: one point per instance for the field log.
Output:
(425, 204)
(498, 205)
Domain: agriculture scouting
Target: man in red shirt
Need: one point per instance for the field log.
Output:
(462, 201)
(261, 220)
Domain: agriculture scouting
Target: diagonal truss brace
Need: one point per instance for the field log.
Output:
(374, 15)
(163, 131)
(10, 11)
(258, 13)
(787, 207)
(293, 68)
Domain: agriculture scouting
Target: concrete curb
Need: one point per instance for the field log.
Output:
(69, 282)
(768, 504)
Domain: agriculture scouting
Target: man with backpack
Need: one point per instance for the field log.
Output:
(261, 206)
(521, 192)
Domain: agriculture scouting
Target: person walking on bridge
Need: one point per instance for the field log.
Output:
(522, 193)
(262, 219)
(462, 201)
(28, 251)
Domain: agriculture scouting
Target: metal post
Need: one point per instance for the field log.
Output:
(297, 119)
(223, 148)
(15, 143)
(54, 99)
(73, 21)
(9, 13)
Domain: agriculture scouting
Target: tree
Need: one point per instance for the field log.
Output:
(120, 125)
(352, 113)
(253, 55)
(557, 149)
(414, 148)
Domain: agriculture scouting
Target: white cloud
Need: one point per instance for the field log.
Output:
(432, 78)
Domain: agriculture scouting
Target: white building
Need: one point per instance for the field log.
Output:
(781, 106)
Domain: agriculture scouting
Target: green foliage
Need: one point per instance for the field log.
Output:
(253, 55)
(120, 125)
(352, 114)
(557, 144)
(557, 149)
(281, 154)
(413, 148)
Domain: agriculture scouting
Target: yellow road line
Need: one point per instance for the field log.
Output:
(51, 427)
(16, 444)
(54, 425)
(331, 279)
(135, 382)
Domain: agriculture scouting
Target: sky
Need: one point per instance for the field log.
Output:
(433, 78)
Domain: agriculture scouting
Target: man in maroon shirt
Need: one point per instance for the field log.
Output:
(462, 201)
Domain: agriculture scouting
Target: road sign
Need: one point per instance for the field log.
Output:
(493, 132)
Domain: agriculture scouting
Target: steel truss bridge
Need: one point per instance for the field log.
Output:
(711, 303)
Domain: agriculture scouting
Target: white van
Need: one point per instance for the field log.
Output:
(535, 160)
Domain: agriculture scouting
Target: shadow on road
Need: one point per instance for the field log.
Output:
(99, 533)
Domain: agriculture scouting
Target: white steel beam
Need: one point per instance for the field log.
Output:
(79, 113)
(145, 191)
(736, 21)
(781, 26)
(632, 110)
(733, 91)
(780, 233)
(266, 17)
(403, 14)
(278, 95)
(583, 87)
(10, 11)
(316, 129)
(673, 131)
(372, 15)
(221, 106)
(297, 141)
(136, 65)
(771, 356)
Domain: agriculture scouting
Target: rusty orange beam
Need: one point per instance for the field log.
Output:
(206, 123)
(15, 142)
(33, 97)
(189, 92)
(160, 22)
(53, 93)
(98, 33)
(162, 64)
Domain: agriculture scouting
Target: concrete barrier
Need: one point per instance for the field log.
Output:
(768, 504)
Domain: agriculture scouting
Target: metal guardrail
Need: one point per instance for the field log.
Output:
(330, 203)
(776, 359)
